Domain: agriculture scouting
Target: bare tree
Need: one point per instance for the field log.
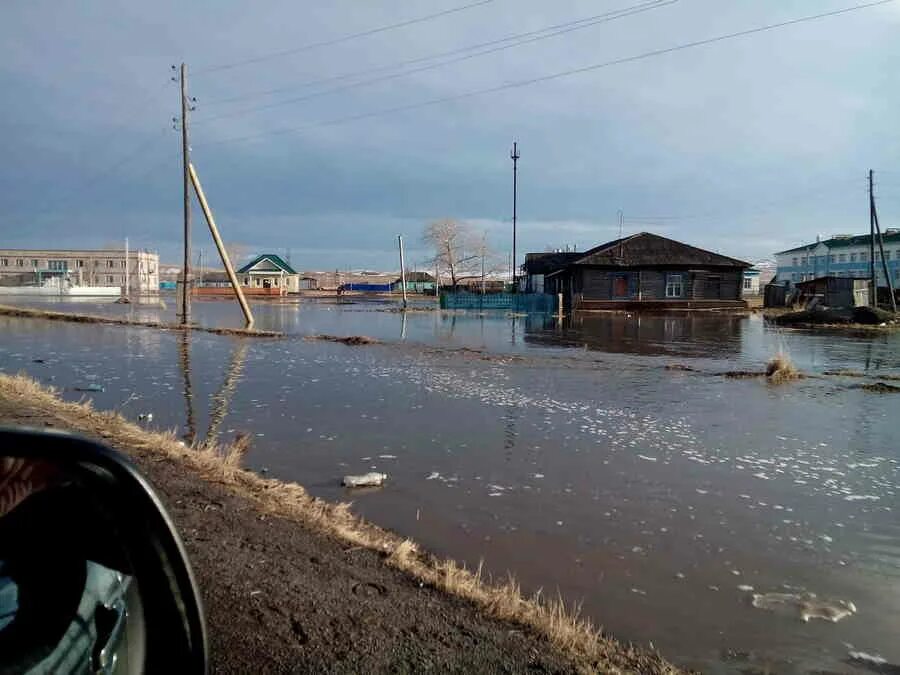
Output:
(457, 249)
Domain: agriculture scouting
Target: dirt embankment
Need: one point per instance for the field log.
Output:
(294, 584)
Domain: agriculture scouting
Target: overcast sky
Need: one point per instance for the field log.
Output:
(745, 146)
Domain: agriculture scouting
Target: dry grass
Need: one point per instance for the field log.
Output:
(780, 369)
(28, 313)
(589, 648)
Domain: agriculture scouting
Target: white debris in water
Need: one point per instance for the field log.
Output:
(679, 575)
(701, 492)
(646, 458)
(433, 475)
(736, 573)
(865, 657)
(745, 588)
(538, 475)
(861, 498)
(638, 591)
(387, 456)
(804, 605)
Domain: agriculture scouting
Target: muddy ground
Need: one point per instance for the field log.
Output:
(279, 598)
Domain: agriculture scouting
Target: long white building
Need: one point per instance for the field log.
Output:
(95, 267)
(843, 255)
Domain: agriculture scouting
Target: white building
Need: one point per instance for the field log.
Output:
(843, 255)
(96, 267)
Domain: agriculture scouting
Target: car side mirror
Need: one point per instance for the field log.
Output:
(93, 575)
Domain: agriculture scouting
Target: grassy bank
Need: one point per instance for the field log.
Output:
(550, 619)
(29, 313)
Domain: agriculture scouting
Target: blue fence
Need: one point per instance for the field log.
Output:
(539, 303)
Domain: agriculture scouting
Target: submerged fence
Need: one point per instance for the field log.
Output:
(531, 303)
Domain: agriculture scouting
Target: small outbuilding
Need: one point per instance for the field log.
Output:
(416, 282)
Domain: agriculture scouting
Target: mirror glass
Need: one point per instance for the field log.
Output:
(69, 602)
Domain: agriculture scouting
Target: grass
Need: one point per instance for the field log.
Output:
(590, 649)
(6, 310)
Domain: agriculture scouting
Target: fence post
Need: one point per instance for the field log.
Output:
(559, 306)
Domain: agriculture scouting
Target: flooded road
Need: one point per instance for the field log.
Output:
(686, 509)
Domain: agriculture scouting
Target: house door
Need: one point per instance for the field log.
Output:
(713, 288)
(620, 286)
(267, 283)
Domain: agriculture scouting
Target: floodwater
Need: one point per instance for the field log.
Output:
(736, 526)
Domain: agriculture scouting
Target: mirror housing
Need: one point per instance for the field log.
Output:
(83, 532)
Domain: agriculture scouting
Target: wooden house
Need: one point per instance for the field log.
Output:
(641, 271)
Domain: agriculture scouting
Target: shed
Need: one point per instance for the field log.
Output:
(835, 292)
(416, 282)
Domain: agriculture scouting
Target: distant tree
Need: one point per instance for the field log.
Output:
(457, 249)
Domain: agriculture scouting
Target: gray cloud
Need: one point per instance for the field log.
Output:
(746, 146)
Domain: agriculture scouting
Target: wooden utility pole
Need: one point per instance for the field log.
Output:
(873, 292)
(186, 161)
(402, 269)
(514, 156)
(884, 267)
(232, 277)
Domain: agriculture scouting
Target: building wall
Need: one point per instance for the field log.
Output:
(841, 261)
(653, 284)
(85, 267)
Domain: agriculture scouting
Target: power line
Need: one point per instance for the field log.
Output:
(557, 75)
(573, 25)
(609, 16)
(343, 38)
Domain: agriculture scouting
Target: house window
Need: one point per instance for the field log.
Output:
(803, 260)
(887, 255)
(110, 263)
(674, 287)
(832, 258)
(34, 262)
(748, 284)
(852, 257)
(109, 278)
(20, 262)
(842, 257)
(794, 262)
(863, 257)
(246, 281)
(79, 263)
(123, 263)
(4, 262)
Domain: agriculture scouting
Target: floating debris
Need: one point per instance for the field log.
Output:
(372, 479)
(805, 605)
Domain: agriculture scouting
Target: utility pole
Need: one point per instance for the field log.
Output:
(514, 156)
(402, 269)
(884, 267)
(482, 265)
(186, 161)
(873, 293)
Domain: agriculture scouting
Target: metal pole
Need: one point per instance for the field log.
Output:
(186, 160)
(127, 288)
(402, 269)
(514, 155)
(245, 307)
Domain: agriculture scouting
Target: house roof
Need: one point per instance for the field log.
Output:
(416, 277)
(889, 237)
(545, 263)
(270, 257)
(647, 249)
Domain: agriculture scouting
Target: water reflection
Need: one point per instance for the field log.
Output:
(184, 360)
(638, 333)
(221, 400)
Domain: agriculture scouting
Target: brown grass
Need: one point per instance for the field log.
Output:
(28, 313)
(352, 340)
(591, 650)
(781, 369)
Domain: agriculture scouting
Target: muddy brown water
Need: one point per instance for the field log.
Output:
(568, 454)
